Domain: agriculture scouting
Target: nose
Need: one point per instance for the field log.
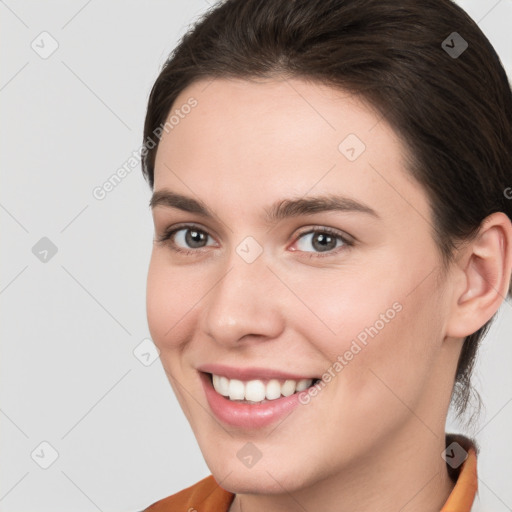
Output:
(246, 303)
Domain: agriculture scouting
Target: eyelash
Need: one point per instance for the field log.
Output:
(166, 239)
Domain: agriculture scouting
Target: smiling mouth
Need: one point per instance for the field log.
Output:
(257, 391)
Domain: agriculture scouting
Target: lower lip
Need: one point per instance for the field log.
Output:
(244, 415)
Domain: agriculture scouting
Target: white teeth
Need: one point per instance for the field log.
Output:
(236, 389)
(288, 388)
(257, 390)
(303, 384)
(223, 386)
(273, 389)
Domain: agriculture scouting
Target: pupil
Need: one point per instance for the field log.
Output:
(194, 237)
(324, 240)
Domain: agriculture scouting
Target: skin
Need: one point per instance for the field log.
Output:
(372, 438)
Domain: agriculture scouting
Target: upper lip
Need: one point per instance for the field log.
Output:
(249, 373)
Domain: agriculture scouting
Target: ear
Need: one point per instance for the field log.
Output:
(484, 271)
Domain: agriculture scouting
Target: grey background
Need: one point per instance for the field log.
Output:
(70, 325)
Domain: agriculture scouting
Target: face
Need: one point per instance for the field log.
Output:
(302, 250)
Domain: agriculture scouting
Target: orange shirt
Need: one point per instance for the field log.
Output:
(207, 496)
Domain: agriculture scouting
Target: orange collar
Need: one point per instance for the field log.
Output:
(463, 494)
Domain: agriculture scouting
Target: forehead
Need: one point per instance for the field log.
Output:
(274, 111)
(256, 140)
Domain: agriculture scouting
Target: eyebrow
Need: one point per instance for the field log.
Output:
(279, 210)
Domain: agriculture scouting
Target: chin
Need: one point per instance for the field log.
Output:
(270, 477)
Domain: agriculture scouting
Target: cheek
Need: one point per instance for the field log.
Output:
(346, 306)
(376, 336)
(169, 303)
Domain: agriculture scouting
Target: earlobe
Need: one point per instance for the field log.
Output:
(486, 267)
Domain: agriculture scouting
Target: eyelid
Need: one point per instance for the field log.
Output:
(326, 229)
(348, 240)
(169, 232)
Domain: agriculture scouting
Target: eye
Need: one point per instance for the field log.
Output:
(186, 239)
(324, 240)
(189, 239)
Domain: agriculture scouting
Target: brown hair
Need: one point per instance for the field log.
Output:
(452, 111)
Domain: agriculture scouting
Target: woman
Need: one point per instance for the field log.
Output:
(332, 241)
